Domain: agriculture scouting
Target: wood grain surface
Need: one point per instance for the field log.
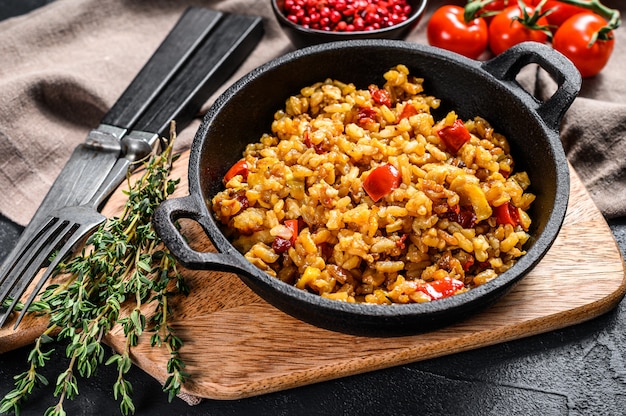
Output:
(237, 345)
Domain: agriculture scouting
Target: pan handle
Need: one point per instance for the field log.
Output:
(164, 221)
(507, 66)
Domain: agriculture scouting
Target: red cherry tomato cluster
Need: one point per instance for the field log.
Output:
(577, 29)
(346, 15)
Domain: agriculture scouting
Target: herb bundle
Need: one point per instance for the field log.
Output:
(123, 263)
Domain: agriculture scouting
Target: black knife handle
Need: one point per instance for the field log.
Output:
(190, 30)
(216, 59)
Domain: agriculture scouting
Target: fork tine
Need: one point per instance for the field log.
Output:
(24, 245)
(81, 233)
(23, 256)
(32, 261)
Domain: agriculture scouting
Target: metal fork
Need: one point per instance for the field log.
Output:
(68, 227)
(92, 161)
(64, 229)
(211, 64)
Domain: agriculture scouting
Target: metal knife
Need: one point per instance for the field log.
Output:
(201, 52)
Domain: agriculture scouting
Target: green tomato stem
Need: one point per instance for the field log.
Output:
(611, 15)
(473, 10)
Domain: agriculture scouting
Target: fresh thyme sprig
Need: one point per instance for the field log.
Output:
(123, 263)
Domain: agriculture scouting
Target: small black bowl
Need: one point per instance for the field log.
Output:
(489, 89)
(301, 36)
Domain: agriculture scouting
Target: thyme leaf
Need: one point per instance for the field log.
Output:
(123, 263)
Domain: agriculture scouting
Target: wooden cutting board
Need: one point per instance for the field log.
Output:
(237, 345)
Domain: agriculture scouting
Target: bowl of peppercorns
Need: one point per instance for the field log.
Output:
(310, 22)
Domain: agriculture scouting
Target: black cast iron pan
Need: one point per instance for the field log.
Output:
(471, 88)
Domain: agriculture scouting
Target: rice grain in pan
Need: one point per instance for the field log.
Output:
(360, 195)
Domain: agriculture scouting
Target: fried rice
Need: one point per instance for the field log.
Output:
(360, 195)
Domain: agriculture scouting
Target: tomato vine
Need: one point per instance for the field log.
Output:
(582, 30)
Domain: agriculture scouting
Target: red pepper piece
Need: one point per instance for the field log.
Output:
(308, 143)
(239, 168)
(507, 213)
(381, 181)
(408, 111)
(366, 116)
(293, 226)
(280, 244)
(468, 263)
(439, 289)
(380, 96)
(463, 216)
(454, 136)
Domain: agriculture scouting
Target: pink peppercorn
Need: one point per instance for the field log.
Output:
(347, 15)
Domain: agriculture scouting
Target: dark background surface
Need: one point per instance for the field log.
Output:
(580, 370)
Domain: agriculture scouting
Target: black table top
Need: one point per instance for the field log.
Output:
(579, 370)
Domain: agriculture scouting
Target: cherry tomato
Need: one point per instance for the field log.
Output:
(454, 136)
(381, 181)
(572, 40)
(496, 6)
(505, 31)
(239, 168)
(560, 12)
(447, 29)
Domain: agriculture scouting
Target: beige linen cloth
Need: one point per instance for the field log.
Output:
(63, 65)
